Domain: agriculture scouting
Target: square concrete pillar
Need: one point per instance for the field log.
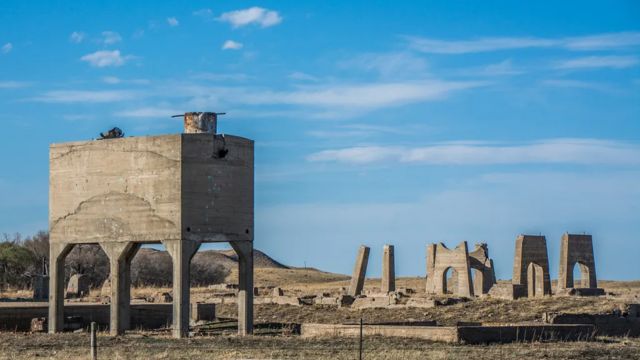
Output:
(388, 270)
(244, 250)
(181, 252)
(120, 256)
(57, 254)
(531, 265)
(359, 272)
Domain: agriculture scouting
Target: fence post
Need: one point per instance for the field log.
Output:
(94, 342)
(360, 347)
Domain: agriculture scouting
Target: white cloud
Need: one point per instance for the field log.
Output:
(300, 76)
(594, 62)
(499, 69)
(578, 84)
(254, 15)
(14, 84)
(205, 13)
(591, 42)
(77, 37)
(110, 37)
(172, 21)
(6, 48)
(553, 151)
(86, 96)
(231, 45)
(104, 58)
(111, 80)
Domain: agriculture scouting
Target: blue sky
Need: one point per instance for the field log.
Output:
(375, 121)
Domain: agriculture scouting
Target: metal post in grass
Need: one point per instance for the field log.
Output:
(94, 341)
(360, 347)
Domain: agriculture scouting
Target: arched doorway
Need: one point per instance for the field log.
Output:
(535, 280)
(449, 281)
(581, 275)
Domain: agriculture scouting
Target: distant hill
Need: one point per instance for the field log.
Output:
(226, 258)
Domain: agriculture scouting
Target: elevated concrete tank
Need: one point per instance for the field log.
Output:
(180, 190)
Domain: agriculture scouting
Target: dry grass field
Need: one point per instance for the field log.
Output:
(281, 345)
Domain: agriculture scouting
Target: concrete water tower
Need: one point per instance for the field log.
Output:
(179, 190)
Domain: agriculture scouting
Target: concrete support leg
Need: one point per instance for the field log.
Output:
(181, 252)
(244, 250)
(388, 270)
(120, 256)
(359, 271)
(57, 254)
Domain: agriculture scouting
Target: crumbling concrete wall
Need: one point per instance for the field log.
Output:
(439, 260)
(577, 249)
(531, 265)
(482, 265)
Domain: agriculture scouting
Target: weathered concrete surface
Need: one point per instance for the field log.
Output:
(482, 266)
(580, 292)
(77, 287)
(433, 333)
(244, 250)
(531, 265)
(202, 312)
(508, 291)
(388, 283)
(359, 272)
(143, 316)
(457, 334)
(374, 302)
(181, 254)
(605, 324)
(200, 122)
(577, 249)
(151, 189)
(439, 260)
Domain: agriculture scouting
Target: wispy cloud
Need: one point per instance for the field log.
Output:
(487, 44)
(105, 58)
(86, 96)
(395, 64)
(110, 37)
(205, 13)
(579, 84)
(77, 37)
(14, 84)
(595, 62)
(553, 151)
(6, 48)
(172, 21)
(301, 76)
(114, 80)
(254, 15)
(231, 45)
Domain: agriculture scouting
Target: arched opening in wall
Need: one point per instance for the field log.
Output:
(535, 280)
(152, 274)
(211, 268)
(86, 268)
(450, 281)
(580, 275)
(477, 279)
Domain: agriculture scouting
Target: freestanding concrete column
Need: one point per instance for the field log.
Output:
(359, 271)
(181, 252)
(244, 250)
(388, 270)
(57, 253)
(120, 256)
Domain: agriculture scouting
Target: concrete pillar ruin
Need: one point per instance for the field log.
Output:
(577, 249)
(359, 272)
(181, 252)
(439, 260)
(388, 283)
(120, 256)
(244, 250)
(531, 265)
(57, 253)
